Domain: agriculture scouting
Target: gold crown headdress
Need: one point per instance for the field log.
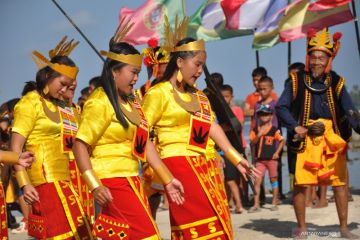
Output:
(171, 38)
(321, 41)
(121, 31)
(63, 48)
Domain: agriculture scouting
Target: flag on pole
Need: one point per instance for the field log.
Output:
(327, 4)
(208, 23)
(267, 34)
(148, 19)
(245, 14)
(299, 19)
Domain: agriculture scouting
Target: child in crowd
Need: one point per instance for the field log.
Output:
(232, 175)
(268, 143)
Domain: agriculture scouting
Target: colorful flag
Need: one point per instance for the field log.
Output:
(327, 4)
(267, 35)
(298, 19)
(208, 23)
(149, 19)
(245, 14)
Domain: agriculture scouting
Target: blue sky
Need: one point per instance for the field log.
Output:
(38, 25)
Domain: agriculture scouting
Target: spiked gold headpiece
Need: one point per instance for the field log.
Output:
(171, 38)
(63, 48)
(152, 56)
(321, 41)
(121, 31)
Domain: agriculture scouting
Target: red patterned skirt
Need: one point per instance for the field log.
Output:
(3, 216)
(58, 214)
(205, 213)
(131, 205)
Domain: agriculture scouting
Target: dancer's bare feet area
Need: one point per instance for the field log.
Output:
(300, 233)
(320, 204)
(345, 233)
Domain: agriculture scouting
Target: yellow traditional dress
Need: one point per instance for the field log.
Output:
(113, 162)
(204, 214)
(78, 182)
(59, 213)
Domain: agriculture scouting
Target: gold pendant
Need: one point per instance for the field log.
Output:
(179, 76)
(52, 115)
(132, 115)
(192, 106)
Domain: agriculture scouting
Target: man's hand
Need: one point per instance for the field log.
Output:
(301, 131)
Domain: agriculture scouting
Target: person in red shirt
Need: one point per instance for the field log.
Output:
(254, 97)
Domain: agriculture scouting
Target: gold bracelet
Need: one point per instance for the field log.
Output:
(91, 179)
(233, 156)
(164, 174)
(9, 157)
(22, 178)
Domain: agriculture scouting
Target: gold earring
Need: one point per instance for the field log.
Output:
(179, 76)
(46, 90)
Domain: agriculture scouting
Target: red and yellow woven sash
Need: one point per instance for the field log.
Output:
(69, 128)
(3, 215)
(82, 190)
(74, 212)
(142, 134)
(200, 124)
(137, 186)
(200, 168)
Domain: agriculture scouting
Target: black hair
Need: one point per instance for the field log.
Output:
(296, 66)
(217, 78)
(227, 87)
(259, 71)
(172, 65)
(107, 80)
(29, 86)
(11, 104)
(94, 81)
(85, 91)
(8, 107)
(266, 79)
(44, 75)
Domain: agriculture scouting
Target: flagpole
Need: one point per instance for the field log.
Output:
(289, 53)
(356, 25)
(78, 29)
(257, 58)
(289, 47)
(184, 7)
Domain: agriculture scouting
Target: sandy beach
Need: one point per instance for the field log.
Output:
(266, 224)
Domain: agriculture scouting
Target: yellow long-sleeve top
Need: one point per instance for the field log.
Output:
(43, 137)
(110, 142)
(170, 120)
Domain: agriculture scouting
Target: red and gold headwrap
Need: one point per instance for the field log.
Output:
(321, 41)
(171, 38)
(132, 59)
(62, 49)
(153, 58)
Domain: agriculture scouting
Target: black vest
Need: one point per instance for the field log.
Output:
(300, 107)
(267, 144)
